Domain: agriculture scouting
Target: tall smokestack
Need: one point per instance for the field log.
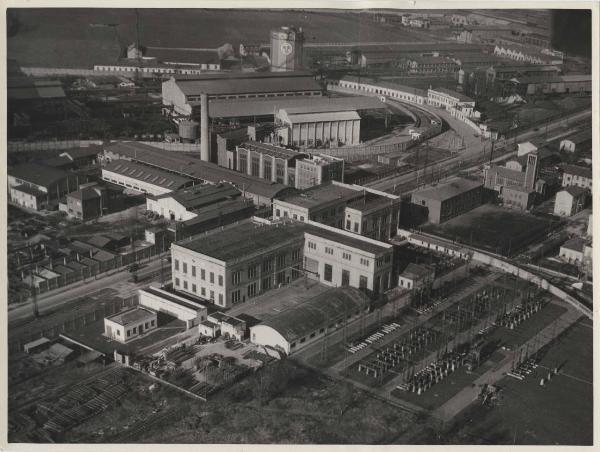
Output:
(204, 135)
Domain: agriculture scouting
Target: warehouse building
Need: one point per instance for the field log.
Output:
(317, 126)
(142, 178)
(183, 308)
(578, 142)
(576, 251)
(577, 176)
(428, 65)
(181, 205)
(230, 327)
(393, 90)
(570, 201)
(87, 203)
(305, 323)
(449, 200)
(373, 215)
(38, 187)
(457, 103)
(508, 72)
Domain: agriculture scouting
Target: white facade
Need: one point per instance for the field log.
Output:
(338, 264)
(136, 184)
(570, 255)
(209, 329)
(183, 309)
(169, 208)
(116, 329)
(567, 204)
(402, 94)
(576, 180)
(265, 335)
(460, 108)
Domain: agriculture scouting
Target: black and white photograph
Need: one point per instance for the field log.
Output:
(303, 225)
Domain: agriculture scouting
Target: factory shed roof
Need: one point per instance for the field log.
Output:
(461, 97)
(385, 84)
(29, 190)
(273, 151)
(57, 162)
(248, 85)
(449, 190)
(318, 312)
(244, 239)
(322, 117)
(183, 57)
(348, 239)
(575, 191)
(514, 175)
(150, 155)
(526, 67)
(173, 298)
(578, 170)
(200, 195)
(73, 154)
(133, 315)
(36, 174)
(225, 108)
(219, 209)
(147, 174)
(85, 194)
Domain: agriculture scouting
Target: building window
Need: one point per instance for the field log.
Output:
(221, 299)
(221, 280)
(176, 265)
(236, 277)
(202, 291)
(328, 273)
(185, 285)
(277, 213)
(212, 278)
(252, 272)
(177, 282)
(348, 224)
(194, 288)
(252, 290)
(312, 245)
(295, 255)
(135, 330)
(281, 260)
(328, 250)
(185, 268)
(265, 284)
(363, 282)
(267, 265)
(235, 296)
(202, 274)
(193, 271)
(347, 256)
(212, 295)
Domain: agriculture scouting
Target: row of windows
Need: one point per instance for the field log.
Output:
(135, 328)
(211, 275)
(331, 326)
(203, 291)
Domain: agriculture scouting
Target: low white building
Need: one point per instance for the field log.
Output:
(391, 90)
(209, 329)
(459, 105)
(416, 276)
(183, 308)
(569, 201)
(229, 326)
(577, 176)
(574, 251)
(128, 325)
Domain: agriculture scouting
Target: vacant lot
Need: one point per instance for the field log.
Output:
(495, 229)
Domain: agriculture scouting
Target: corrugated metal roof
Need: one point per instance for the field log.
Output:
(249, 85)
(147, 174)
(37, 174)
(322, 117)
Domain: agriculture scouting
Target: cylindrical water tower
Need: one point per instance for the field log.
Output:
(287, 48)
(189, 131)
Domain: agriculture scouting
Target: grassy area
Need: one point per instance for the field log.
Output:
(494, 229)
(561, 412)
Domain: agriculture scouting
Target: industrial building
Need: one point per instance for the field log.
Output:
(458, 104)
(181, 205)
(570, 201)
(129, 325)
(312, 126)
(38, 187)
(449, 200)
(142, 178)
(239, 262)
(230, 327)
(318, 169)
(307, 322)
(86, 203)
(183, 308)
(287, 49)
(267, 161)
(557, 84)
(428, 65)
(245, 260)
(364, 211)
(578, 142)
(393, 90)
(576, 251)
(577, 176)
(507, 72)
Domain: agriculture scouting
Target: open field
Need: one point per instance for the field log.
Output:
(40, 42)
(495, 229)
(559, 412)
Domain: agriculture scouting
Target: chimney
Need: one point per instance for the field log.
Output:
(65, 260)
(204, 134)
(78, 257)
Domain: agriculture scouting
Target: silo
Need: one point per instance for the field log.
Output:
(189, 130)
(287, 48)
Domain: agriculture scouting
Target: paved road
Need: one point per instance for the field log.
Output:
(118, 280)
(474, 147)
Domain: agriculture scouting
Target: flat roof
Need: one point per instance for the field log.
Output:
(417, 270)
(132, 315)
(200, 195)
(244, 239)
(29, 190)
(220, 209)
(370, 201)
(318, 312)
(577, 170)
(147, 174)
(448, 190)
(348, 239)
(323, 116)
(322, 194)
(386, 84)
(461, 97)
(173, 299)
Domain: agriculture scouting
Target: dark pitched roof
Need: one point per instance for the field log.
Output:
(147, 174)
(318, 312)
(91, 151)
(575, 244)
(29, 190)
(417, 271)
(575, 191)
(84, 194)
(578, 170)
(37, 174)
